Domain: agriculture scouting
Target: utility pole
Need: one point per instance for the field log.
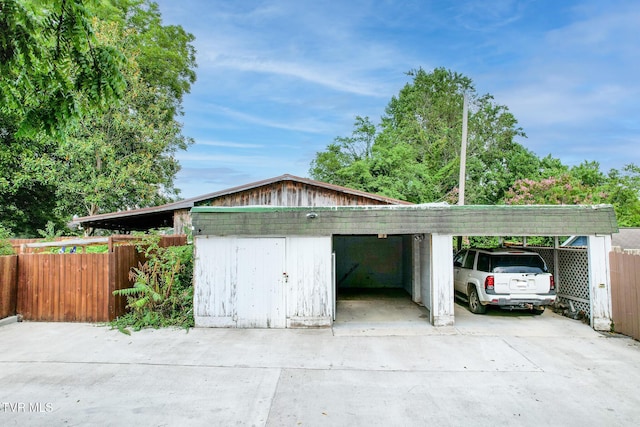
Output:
(463, 152)
(463, 159)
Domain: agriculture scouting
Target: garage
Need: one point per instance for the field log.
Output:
(374, 278)
(368, 263)
(276, 267)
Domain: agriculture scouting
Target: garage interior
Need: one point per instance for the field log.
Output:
(374, 276)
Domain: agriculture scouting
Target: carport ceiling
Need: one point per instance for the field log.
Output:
(137, 222)
(470, 220)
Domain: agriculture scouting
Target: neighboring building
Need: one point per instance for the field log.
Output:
(626, 239)
(575, 242)
(284, 190)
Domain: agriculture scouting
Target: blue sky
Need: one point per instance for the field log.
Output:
(279, 80)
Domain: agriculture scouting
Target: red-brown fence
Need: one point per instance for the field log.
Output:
(71, 287)
(625, 293)
(8, 285)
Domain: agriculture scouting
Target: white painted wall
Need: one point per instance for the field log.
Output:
(442, 297)
(309, 286)
(266, 282)
(260, 285)
(214, 299)
(600, 281)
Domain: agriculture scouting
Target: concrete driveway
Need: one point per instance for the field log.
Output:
(499, 369)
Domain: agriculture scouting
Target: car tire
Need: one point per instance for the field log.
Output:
(537, 310)
(475, 306)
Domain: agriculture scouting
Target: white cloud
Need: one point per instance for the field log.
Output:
(319, 44)
(311, 73)
(584, 71)
(218, 159)
(307, 125)
(290, 73)
(488, 15)
(228, 144)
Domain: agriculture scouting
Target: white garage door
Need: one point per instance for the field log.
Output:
(240, 282)
(270, 282)
(260, 283)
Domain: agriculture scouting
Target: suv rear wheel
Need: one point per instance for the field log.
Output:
(475, 305)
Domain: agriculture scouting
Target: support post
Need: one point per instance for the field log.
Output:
(416, 285)
(441, 310)
(599, 282)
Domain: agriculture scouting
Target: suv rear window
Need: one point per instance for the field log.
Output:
(484, 262)
(468, 261)
(517, 264)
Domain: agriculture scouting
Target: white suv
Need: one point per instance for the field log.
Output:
(503, 277)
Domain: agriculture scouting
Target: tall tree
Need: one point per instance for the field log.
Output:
(48, 55)
(165, 53)
(346, 161)
(117, 156)
(622, 189)
(125, 157)
(26, 182)
(415, 154)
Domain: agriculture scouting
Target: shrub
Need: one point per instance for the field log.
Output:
(5, 244)
(162, 294)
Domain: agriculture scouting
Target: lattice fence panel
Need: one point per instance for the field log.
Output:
(546, 254)
(574, 278)
(573, 270)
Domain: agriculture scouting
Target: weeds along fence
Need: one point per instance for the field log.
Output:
(625, 293)
(78, 287)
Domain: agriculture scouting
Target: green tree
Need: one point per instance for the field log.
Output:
(118, 156)
(165, 53)
(346, 161)
(124, 157)
(415, 152)
(584, 184)
(622, 189)
(27, 184)
(5, 244)
(48, 55)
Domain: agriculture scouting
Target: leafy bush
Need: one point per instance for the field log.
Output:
(5, 244)
(49, 234)
(162, 294)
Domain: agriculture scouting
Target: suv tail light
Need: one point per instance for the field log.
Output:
(489, 284)
(552, 283)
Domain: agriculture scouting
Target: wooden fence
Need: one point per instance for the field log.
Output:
(8, 285)
(71, 287)
(625, 293)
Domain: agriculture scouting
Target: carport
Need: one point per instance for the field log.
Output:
(283, 266)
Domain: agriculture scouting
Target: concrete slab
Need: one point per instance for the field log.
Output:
(382, 312)
(8, 320)
(489, 370)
